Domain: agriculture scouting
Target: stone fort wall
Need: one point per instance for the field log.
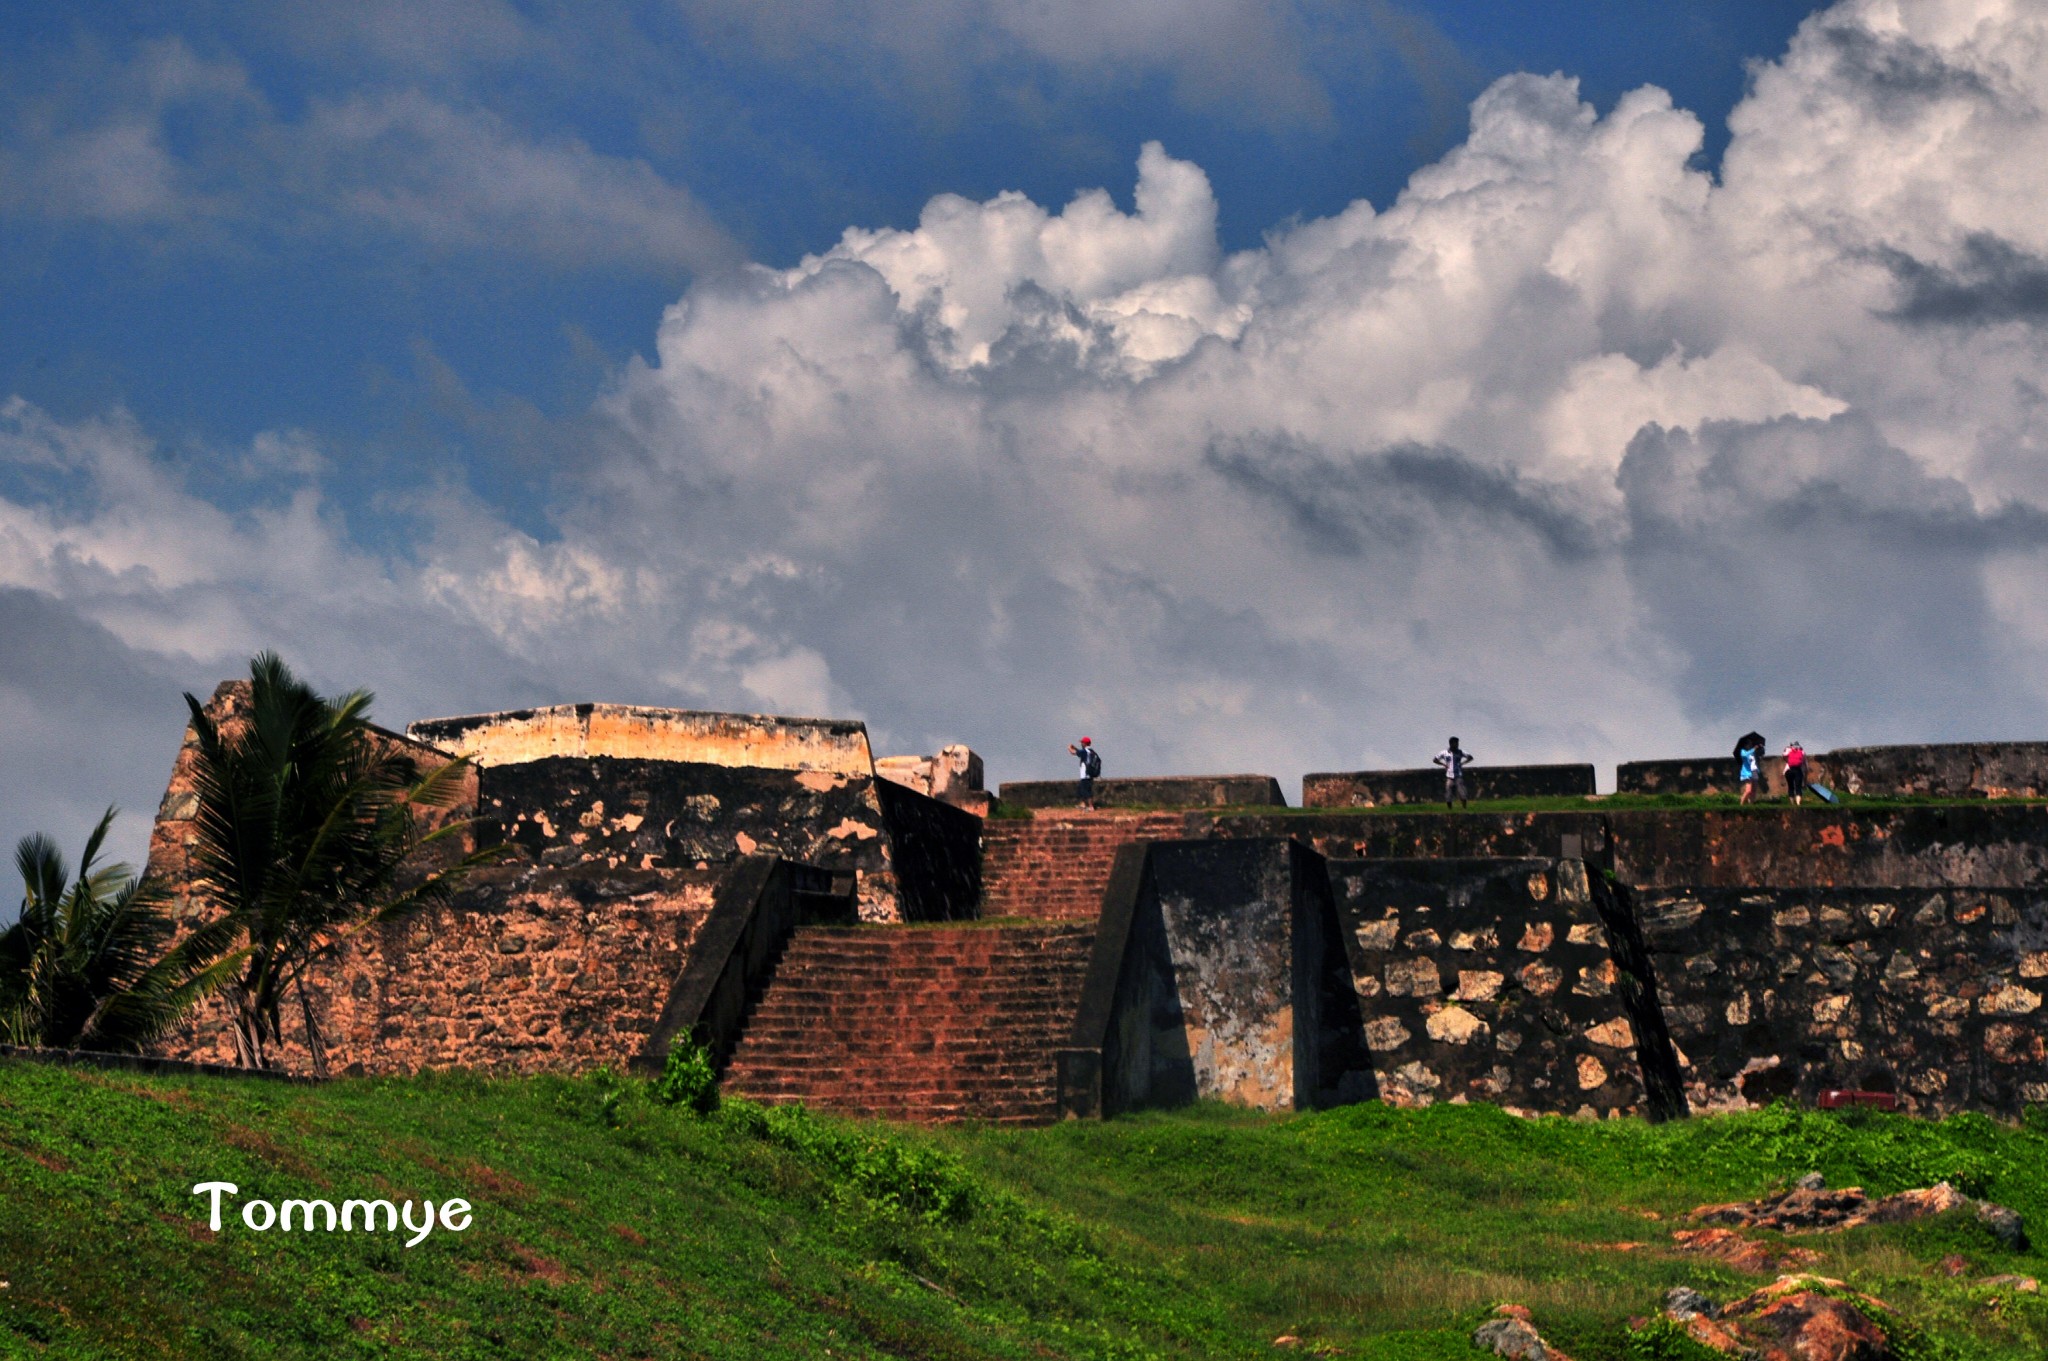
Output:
(527, 969)
(1591, 961)
(759, 741)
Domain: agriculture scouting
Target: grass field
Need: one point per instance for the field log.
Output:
(607, 1224)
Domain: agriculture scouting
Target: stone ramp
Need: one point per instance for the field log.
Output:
(1053, 866)
(929, 1023)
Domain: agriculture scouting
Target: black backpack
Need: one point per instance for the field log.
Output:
(1094, 759)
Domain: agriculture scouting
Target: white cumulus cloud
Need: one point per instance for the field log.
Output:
(1575, 449)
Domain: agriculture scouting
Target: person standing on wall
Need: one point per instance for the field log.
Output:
(1091, 766)
(1454, 762)
(1795, 771)
(1749, 759)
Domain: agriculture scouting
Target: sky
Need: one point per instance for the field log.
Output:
(1252, 386)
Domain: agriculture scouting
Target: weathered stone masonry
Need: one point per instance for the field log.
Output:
(528, 969)
(1494, 980)
(1596, 962)
(561, 955)
(1933, 994)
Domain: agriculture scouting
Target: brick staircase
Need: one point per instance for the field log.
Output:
(917, 1023)
(1053, 866)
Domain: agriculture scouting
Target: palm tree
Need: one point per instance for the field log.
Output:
(85, 966)
(310, 827)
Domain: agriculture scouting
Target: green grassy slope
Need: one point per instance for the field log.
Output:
(608, 1225)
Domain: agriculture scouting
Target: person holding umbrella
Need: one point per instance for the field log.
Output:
(1749, 758)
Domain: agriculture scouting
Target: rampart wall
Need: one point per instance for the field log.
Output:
(1230, 984)
(527, 969)
(1271, 957)
(681, 815)
(1164, 791)
(1952, 770)
(1934, 994)
(765, 741)
(1984, 845)
(1380, 788)
(1490, 980)
(1988, 844)
(1426, 835)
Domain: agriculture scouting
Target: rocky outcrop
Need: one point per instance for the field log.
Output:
(1795, 1318)
(1813, 1208)
(1512, 1334)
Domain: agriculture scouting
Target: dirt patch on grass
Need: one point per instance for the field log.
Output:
(258, 1144)
(1744, 1254)
(501, 1185)
(49, 1162)
(168, 1096)
(540, 1268)
(191, 1228)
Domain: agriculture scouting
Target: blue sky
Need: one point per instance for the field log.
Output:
(1252, 386)
(249, 297)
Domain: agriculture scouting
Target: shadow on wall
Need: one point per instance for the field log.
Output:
(1218, 974)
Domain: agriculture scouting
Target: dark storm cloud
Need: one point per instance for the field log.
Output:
(90, 722)
(1897, 74)
(1347, 504)
(1810, 567)
(1995, 281)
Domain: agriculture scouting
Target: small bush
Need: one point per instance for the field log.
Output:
(1665, 1339)
(687, 1078)
(925, 1182)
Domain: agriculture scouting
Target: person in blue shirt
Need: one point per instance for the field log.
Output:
(1749, 758)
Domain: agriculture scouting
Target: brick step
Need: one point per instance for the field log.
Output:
(1054, 865)
(1008, 1097)
(769, 1056)
(939, 1023)
(831, 991)
(927, 1087)
(897, 1039)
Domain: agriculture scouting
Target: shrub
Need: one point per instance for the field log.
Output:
(688, 1078)
(921, 1181)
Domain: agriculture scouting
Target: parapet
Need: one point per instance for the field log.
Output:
(1950, 770)
(1162, 791)
(1379, 788)
(953, 774)
(761, 741)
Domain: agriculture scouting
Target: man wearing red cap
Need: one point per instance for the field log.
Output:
(1091, 766)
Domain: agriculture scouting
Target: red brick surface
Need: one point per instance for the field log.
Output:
(527, 970)
(1053, 866)
(917, 1023)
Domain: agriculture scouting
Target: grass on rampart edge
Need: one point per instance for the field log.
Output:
(1572, 803)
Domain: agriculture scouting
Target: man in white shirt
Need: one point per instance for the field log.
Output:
(1454, 761)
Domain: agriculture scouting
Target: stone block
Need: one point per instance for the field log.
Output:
(1882, 989)
(1510, 932)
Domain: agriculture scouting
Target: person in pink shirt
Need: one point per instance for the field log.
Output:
(1795, 771)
